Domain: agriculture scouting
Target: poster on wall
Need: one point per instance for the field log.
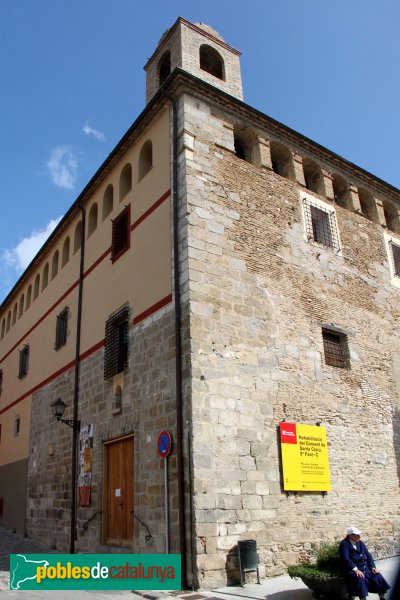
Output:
(305, 459)
(85, 464)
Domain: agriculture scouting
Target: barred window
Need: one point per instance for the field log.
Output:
(395, 255)
(321, 225)
(336, 349)
(116, 343)
(121, 229)
(23, 361)
(61, 329)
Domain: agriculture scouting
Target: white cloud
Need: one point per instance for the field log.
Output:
(99, 135)
(62, 167)
(19, 257)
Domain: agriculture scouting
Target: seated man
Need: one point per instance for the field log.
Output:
(359, 567)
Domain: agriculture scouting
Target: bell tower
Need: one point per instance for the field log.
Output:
(199, 50)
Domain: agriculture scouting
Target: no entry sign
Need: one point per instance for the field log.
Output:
(164, 444)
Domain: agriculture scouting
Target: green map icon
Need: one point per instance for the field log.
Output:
(24, 569)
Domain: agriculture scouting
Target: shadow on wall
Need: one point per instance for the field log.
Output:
(232, 567)
(249, 563)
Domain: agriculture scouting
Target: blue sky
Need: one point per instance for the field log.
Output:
(72, 82)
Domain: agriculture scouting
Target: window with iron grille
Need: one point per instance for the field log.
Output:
(395, 255)
(121, 230)
(23, 361)
(116, 343)
(336, 349)
(321, 225)
(61, 329)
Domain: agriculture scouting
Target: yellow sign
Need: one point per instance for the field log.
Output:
(304, 458)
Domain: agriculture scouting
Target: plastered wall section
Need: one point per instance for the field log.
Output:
(141, 276)
(259, 293)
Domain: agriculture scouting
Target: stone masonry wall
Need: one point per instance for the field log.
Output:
(148, 406)
(259, 294)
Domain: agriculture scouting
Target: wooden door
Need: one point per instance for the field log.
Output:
(119, 492)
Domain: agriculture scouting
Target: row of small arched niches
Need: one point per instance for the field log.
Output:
(51, 268)
(281, 158)
(281, 161)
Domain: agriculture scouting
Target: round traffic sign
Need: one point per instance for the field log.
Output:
(164, 444)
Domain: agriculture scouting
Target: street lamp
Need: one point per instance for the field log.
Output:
(58, 408)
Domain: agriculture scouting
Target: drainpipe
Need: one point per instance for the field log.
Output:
(75, 431)
(178, 353)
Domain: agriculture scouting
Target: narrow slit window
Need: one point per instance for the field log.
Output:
(17, 426)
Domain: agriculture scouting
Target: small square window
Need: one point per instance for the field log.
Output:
(23, 361)
(320, 223)
(336, 349)
(61, 329)
(121, 230)
(116, 343)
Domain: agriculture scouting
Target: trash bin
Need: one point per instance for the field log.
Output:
(247, 558)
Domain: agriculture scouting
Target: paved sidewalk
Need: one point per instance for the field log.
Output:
(274, 588)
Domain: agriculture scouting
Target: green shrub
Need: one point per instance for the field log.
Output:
(327, 564)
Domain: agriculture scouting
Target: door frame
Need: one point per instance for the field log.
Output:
(105, 482)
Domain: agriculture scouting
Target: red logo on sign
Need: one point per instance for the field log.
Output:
(288, 433)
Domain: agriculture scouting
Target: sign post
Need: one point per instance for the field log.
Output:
(164, 445)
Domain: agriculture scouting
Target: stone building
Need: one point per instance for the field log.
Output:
(219, 274)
